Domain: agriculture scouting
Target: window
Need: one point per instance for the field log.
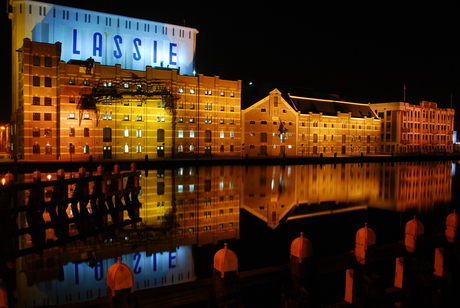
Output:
(192, 91)
(86, 116)
(36, 149)
(138, 148)
(222, 134)
(71, 149)
(36, 81)
(71, 115)
(36, 100)
(139, 118)
(180, 134)
(36, 60)
(48, 62)
(48, 82)
(48, 148)
(160, 135)
(86, 149)
(36, 132)
(47, 133)
(86, 132)
(181, 120)
(139, 132)
(71, 132)
(126, 132)
(107, 134)
(232, 134)
(207, 136)
(47, 116)
(192, 106)
(71, 100)
(126, 148)
(48, 101)
(192, 134)
(263, 137)
(126, 118)
(36, 116)
(222, 121)
(72, 81)
(232, 121)
(86, 82)
(192, 120)
(192, 148)
(222, 93)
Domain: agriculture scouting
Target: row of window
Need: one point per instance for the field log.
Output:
(48, 149)
(206, 107)
(205, 228)
(37, 101)
(36, 81)
(37, 61)
(206, 92)
(206, 201)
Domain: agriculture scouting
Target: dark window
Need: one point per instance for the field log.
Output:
(207, 136)
(71, 132)
(36, 149)
(36, 132)
(207, 185)
(36, 116)
(107, 134)
(47, 116)
(48, 101)
(86, 132)
(36, 81)
(160, 188)
(71, 149)
(48, 149)
(47, 81)
(48, 62)
(160, 135)
(36, 60)
(263, 137)
(36, 100)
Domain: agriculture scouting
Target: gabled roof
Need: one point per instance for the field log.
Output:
(330, 107)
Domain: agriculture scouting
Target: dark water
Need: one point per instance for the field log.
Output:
(257, 210)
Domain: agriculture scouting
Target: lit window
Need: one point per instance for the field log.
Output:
(222, 134)
(192, 134)
(139, 118)
(86, 116)
(180, 134)
(72, 81)
(139, 132)
(109, 116)
(181, 90)
(126, 85)
(71, 115)
(47, 133)
(192, 120)
(192, 91)
(232, 121)
(232, 134)
(126, 132)
(181, 120)
(221, 121)
(86, 82)
(192, 106)
(86, 149)
(192, 187)
(180, 188)
(232, 94)
(126, 148)
(126, 118)
(222, 93)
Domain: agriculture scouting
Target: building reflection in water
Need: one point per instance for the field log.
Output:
(194, 206)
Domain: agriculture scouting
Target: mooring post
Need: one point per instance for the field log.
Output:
(226, 278)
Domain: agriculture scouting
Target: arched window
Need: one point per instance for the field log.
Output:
(48, 148)
(126, 148)
(86, 149)
(36, 149)
(221, 148)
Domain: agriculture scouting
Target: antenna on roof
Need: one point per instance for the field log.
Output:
(450, 99)
(404, 96)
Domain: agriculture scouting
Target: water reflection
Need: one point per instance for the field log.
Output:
(189, 207)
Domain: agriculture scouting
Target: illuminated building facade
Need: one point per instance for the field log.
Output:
(408, 128)
(117, 108)
(297, 126)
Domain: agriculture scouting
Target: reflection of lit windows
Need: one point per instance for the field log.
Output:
(289, 146)
(180, 188)
(180, 148)
(47, 133)
(192, 106)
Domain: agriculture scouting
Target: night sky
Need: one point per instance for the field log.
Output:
(363, 53)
